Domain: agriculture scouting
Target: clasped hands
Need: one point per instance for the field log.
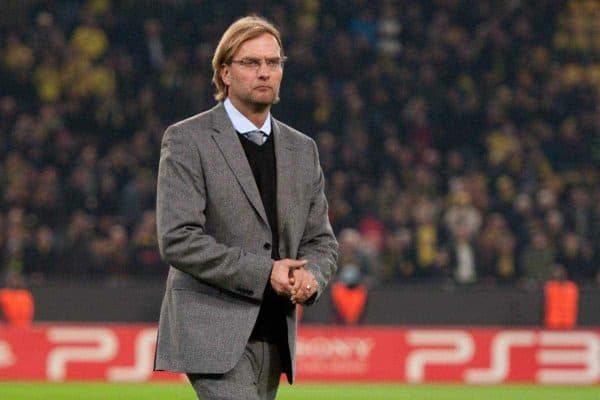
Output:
(290, 278)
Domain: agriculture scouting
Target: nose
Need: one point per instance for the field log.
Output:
(263, 71)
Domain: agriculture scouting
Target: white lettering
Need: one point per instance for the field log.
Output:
(143, 360)
(500, 357)
(417, 360)
(7, 358)
(589, 358)
(103, 347)
(324, 348)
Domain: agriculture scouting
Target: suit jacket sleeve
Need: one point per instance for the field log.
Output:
(182, 237)
(318, 245)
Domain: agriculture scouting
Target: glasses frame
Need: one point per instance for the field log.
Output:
(254, 64)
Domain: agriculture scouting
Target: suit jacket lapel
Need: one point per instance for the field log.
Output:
(283, 161)
(229, 144)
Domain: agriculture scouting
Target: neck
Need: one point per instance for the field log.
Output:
(256, 113)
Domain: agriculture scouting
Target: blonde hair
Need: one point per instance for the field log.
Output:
(238, 33)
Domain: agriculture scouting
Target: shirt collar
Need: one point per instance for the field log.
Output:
(243, 124)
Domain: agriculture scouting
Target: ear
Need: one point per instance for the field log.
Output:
(225, 74)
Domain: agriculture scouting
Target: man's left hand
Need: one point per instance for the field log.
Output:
(304, 285)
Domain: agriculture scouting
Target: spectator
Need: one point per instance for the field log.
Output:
(16, 302)
(461, 215)
(426, 240)
(561, 298)
(538, 258)
(76, 257)
(575, 256)
(463, 257)
(146, 258)
(349, 295)
(353, 251)
(41, 255)
(17, 241)
(398, 258)
(444, 112)
(503, 267)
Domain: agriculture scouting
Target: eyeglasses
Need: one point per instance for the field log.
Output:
(255, 63)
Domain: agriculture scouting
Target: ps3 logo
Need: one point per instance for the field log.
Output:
(560, 357)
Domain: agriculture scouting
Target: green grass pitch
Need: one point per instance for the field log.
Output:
(105, 391)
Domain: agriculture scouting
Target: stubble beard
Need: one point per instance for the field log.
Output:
(258, 104)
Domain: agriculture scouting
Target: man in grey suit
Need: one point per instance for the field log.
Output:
(242, 220)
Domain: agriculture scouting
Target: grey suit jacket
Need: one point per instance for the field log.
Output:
(213, 231)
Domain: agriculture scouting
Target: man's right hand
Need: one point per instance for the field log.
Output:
(280, 275)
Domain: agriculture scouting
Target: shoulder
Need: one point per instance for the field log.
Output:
(294, 136)
(196, 122)
(197, 126)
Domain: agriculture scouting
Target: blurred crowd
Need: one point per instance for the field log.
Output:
(460, 140)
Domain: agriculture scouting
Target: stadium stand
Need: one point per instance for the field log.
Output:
(460, 140)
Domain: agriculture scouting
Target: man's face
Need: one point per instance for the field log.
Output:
(252, 86)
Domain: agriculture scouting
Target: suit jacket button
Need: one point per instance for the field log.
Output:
(267, 246)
